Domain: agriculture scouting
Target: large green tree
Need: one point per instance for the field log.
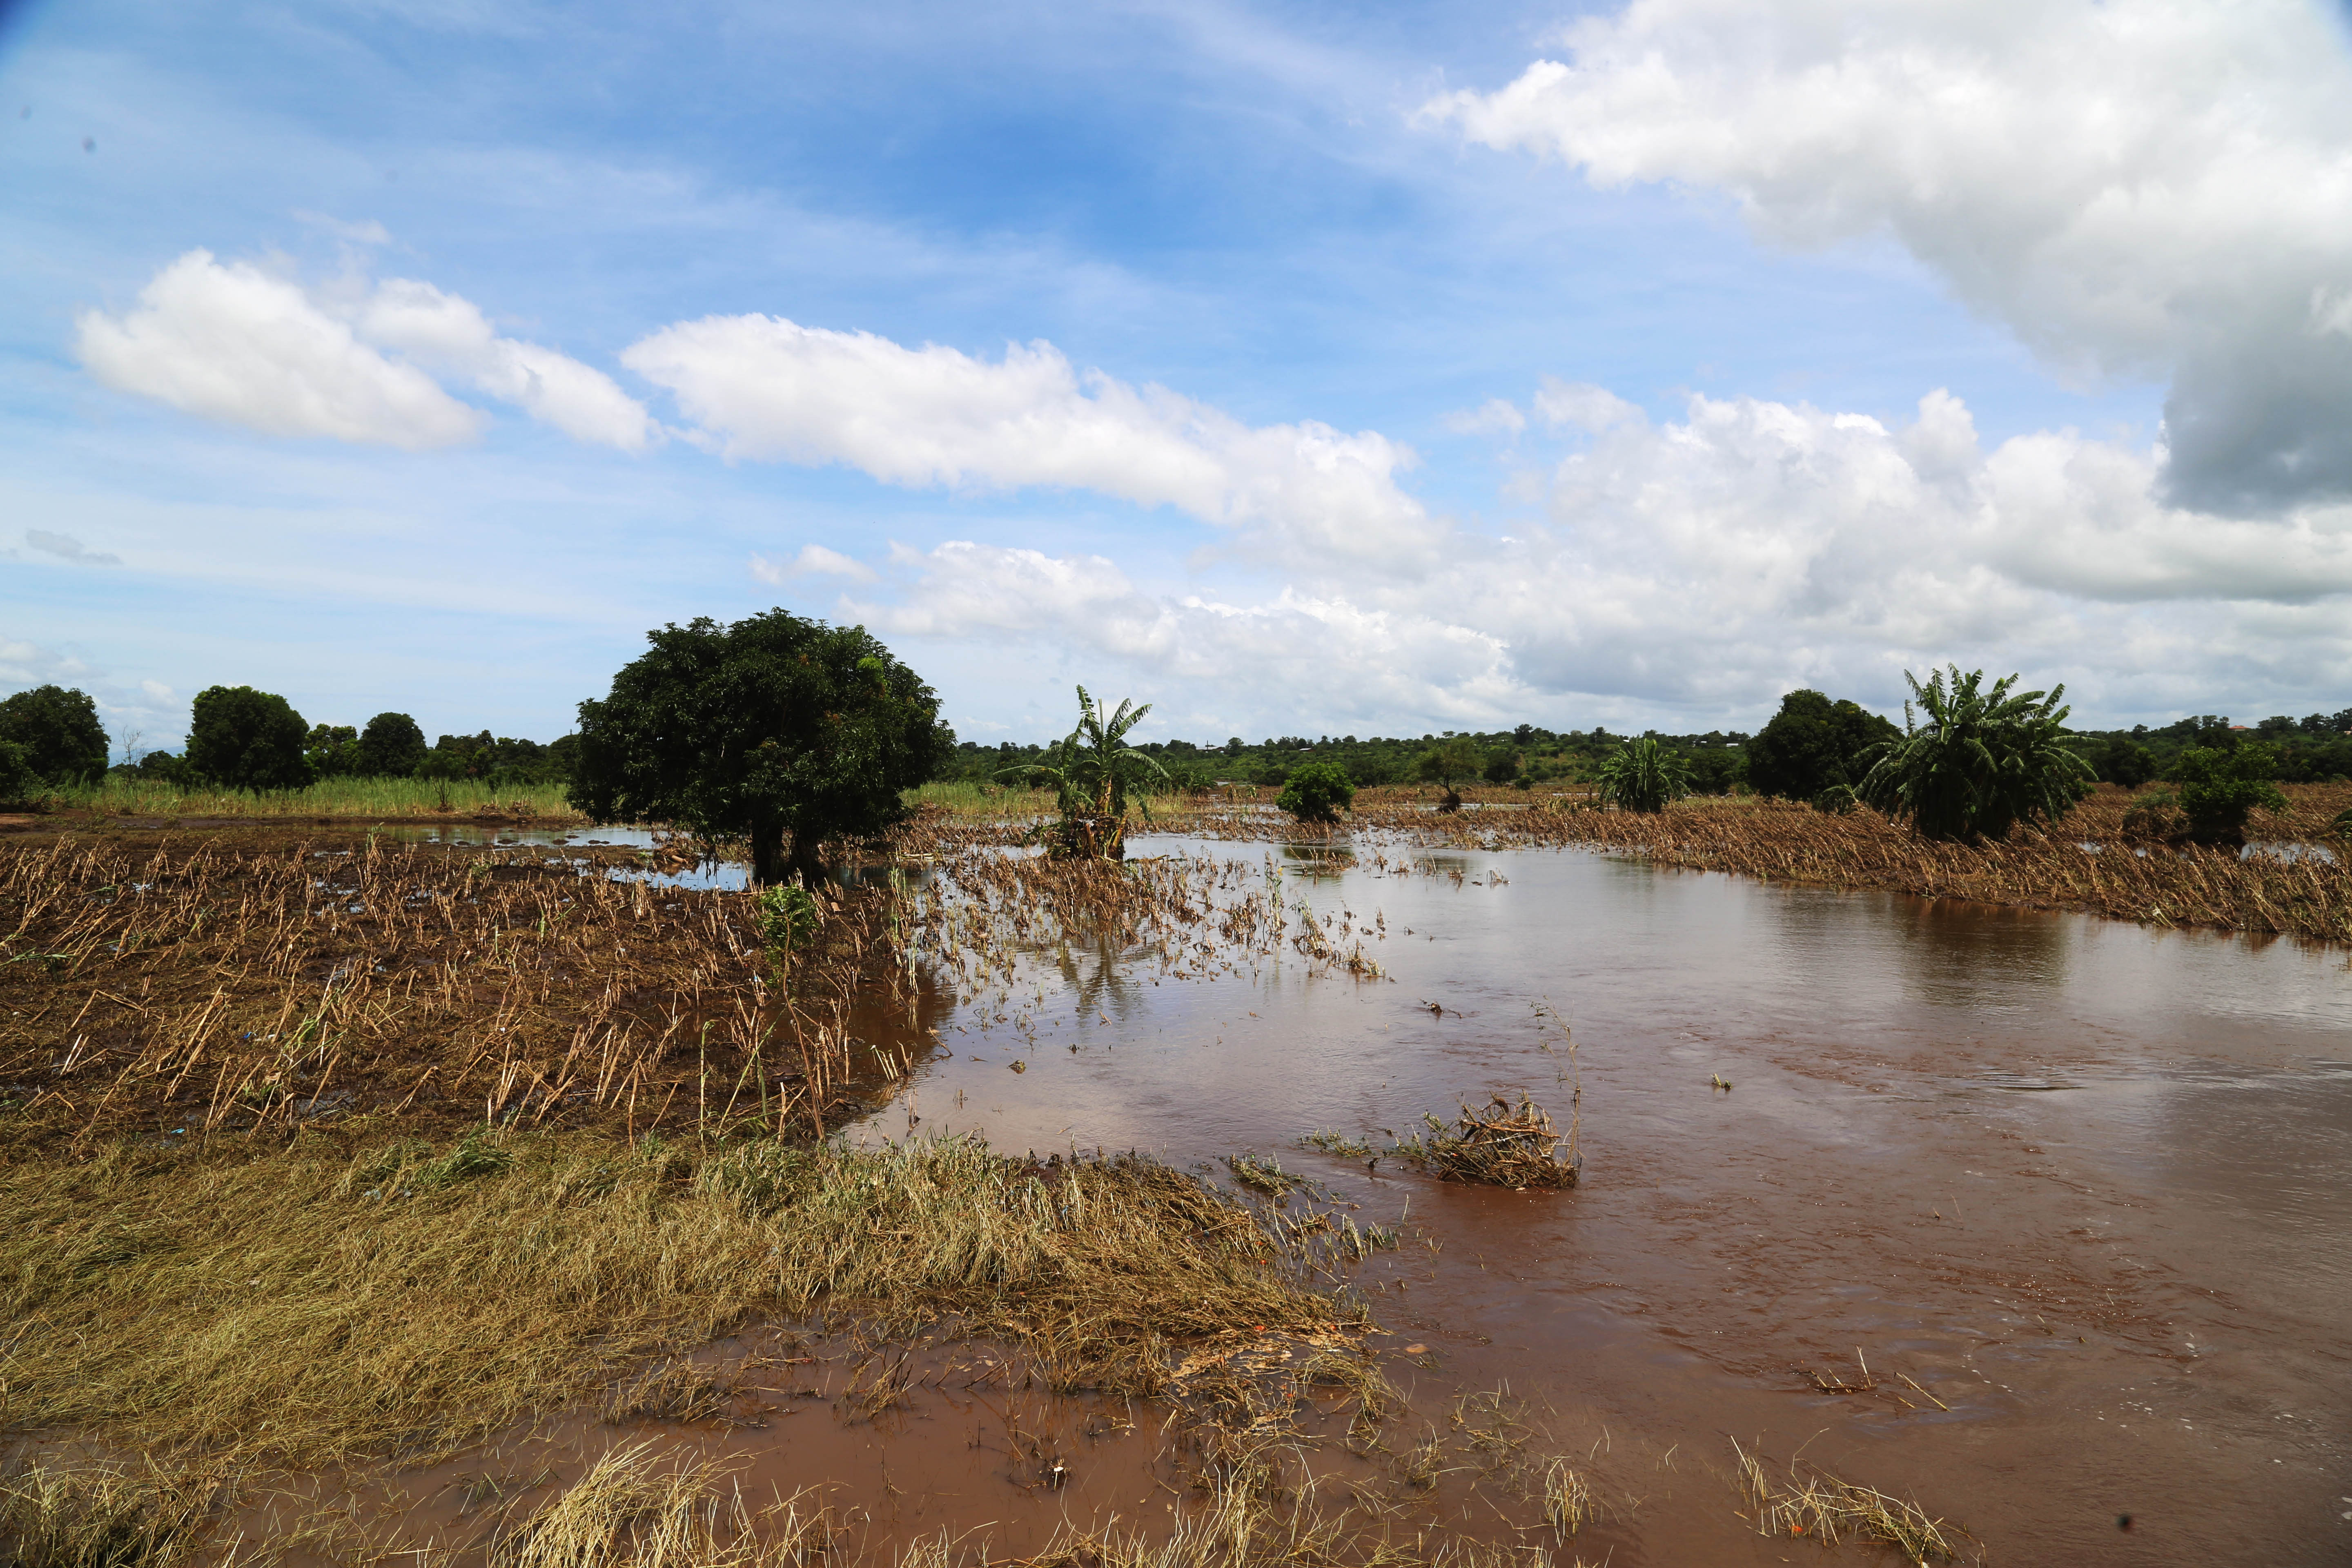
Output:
(1812, 744)
(790, 732)
(245, 738)
(57, 730)
(1975, 759)
(392, 746)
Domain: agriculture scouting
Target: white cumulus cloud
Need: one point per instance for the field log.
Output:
(1709, 564)
(232, 343)
(765, 389)
(2137, 187)
(814, 560)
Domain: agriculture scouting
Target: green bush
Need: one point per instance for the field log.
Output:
(1318, 792)
(2124, 762)
(244, 738)
(57, 732)
(1985, 758)
(1813, 743)
(1642, 776)
(2219, 789)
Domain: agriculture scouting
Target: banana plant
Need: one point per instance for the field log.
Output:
(1093, 772)
(1981, 759)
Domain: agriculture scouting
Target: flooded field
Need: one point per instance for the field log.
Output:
(2038, 1220)
(2072, 1197)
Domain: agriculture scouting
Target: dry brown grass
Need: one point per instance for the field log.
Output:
(315, 1301)
(1499, 1145)
(102, 1516)
(1811, 1502)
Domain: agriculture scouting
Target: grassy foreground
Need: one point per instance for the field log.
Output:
(340, 1297)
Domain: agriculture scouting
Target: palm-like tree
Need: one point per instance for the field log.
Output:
(1093, 771)
(1642, 776)
(1984, 758)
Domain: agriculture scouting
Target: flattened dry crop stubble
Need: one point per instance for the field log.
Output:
(313, 1302)
(169, 991)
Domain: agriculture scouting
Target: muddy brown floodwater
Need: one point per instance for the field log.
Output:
(2074, 1196)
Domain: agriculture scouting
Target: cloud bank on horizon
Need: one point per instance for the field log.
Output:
(2172, 215)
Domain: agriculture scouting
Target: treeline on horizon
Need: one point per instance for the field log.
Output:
(240, 738)
(243, 739)
(1808, 745)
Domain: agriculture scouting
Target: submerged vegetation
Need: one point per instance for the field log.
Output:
(1095, 775)
(1499, 1145)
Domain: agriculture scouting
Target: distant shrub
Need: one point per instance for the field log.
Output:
(1642, 776)
(1318, 792)
(1716, 770)
(2218, 789)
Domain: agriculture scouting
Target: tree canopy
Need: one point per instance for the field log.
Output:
(56, 731)
(1454, 758)
(244, 738)
(1811, 745)
(790, 732)
(392, 746)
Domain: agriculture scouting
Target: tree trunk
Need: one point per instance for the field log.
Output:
(806, 867)
(768, 864)
(1453, 801)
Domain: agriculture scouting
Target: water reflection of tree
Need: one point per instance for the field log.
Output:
(1095, 972)
(1319, 860)
(1962, 954)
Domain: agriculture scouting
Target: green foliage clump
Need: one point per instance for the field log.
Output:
(2218, 789)
(19, 782)
(1812, 743)
(1984, 758)
(787, 918)
(1715, 770)
(1318, 792)
(391, 747)
(790, 732)
(2124, 762)
(1447, 764)
(1642, 776)
(57, 731)
(244, 738)
(1093, 772)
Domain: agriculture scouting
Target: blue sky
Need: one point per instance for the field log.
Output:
(1513, 362)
